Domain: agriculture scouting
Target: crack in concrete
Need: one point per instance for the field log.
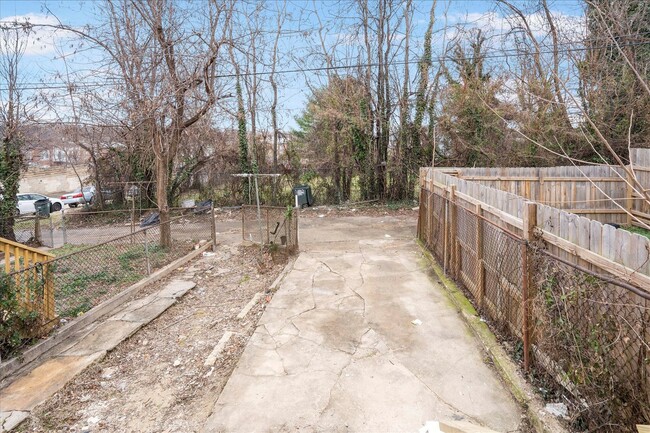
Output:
(277, 346)
(340, 375)
(345, 279)
(445, 402)
(298, 373)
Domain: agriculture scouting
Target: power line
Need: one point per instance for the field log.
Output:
(438, 60)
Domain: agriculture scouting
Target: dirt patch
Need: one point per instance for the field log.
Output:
(156, 380)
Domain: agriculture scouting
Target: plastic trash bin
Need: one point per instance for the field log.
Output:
(303, 195)
(42, 208)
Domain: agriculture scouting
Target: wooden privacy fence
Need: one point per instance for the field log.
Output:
(600, 193)
(19, 260)
(573, 292)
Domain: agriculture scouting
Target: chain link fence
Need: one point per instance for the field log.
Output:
(86, 227)
(270, 225)
(86, 277)
(586, 331)
(592, 338)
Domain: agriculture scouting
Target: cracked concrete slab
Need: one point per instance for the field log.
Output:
(144, 312)
(42, 382)
(176, 289)
(335, 350)
(12, 419)
(104, 337)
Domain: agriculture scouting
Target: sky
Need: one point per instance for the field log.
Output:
(43, 65)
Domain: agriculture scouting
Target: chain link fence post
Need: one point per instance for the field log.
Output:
(65, 234)
(132, 217)
(51, 231)
(213, 227)
(37, 230)
(146, 252)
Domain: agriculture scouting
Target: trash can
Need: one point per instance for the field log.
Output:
(302, 194)
(42, 208)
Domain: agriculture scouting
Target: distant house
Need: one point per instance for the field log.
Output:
(47, 146)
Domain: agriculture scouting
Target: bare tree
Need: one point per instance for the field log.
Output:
(281, 15)
(13, 43)
(162, 59)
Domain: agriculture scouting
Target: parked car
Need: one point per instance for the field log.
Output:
(26, 202)
(79, 196)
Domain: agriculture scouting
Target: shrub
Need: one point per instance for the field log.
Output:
(18, 323)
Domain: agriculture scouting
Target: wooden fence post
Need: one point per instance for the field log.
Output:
(445, 230)
(48, 307)
(529, 223)
(629, 202)
(480, 280)
(453, 232)
(418, 230)
(429, 216)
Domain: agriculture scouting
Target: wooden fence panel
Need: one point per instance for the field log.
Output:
(593, 191)
(19, 257)
(576, 238)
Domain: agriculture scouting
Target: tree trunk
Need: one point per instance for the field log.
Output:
(10, 166)
(380, 161)
(162, 181)
(405, 154)
(161, 171)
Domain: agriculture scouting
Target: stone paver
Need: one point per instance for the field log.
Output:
(336, 349)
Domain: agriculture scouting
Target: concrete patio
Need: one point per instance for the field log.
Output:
(360, 337)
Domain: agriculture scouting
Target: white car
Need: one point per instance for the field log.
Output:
(77, 197)
(26, 202)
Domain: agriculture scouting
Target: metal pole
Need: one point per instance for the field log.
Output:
(65, 234)
(51, 232)
(146, 252)
(132, 214)
(259, 212)
(37, 229)
(213, 227)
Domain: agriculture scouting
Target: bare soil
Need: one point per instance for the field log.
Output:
(156, 380)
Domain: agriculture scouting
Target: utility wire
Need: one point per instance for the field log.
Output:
(437, 60)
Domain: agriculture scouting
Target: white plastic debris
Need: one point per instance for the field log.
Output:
(321, 216)
(430, 427)
(177, 363)
(387, 236)
(559, 410)
(416, 322)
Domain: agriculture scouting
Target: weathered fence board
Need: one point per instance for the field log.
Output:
(578, 239)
